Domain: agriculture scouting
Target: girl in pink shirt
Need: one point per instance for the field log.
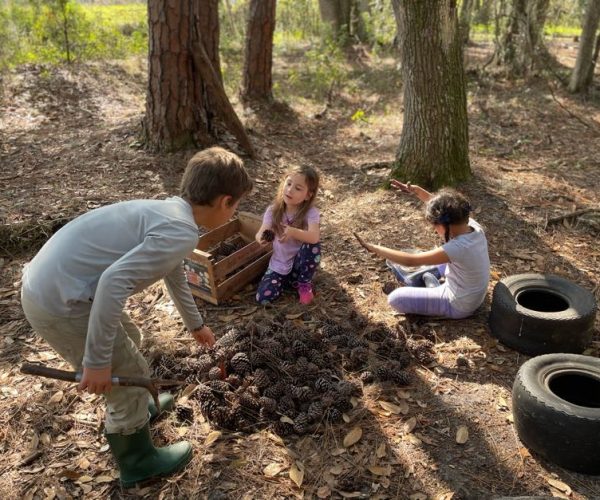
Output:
(292, 223)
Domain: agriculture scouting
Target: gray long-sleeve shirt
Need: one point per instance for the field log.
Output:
(94, 263)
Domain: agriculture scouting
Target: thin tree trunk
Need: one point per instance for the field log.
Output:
(257, 79)
(582, 75)
(433, 150)
(590, 77)
(464, 20)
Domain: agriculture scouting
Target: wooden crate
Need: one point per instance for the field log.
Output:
(216, 280)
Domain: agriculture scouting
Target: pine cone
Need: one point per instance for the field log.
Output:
(302, 364)
(315, 411)
(299, 348)
(207, 406)
(261, 379)
(221, 416)
(230, 338)
(267, 235)
(268, 404)
(323, 385)
(240, 363)
(282, 428)
(331, 329)
(258, 358)
(286, 406)
(339, 340)
(214, 373)
(333, 415)
(249, 401)
(314, 356)
(203, 392)
(343, 405)
(301, 424)
(274, 391)
(312, 369)
(204, 363)
(219, 387)
(184, 414)
(301, 393)
(234, 380)
(382, 373)
(400, 377)
(421, 350)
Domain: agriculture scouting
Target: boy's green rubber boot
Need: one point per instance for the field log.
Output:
(166, 404)
(138, 459)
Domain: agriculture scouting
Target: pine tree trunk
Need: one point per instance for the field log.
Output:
(185, 95)
(581, 77)
(257, 80)
(433, 150)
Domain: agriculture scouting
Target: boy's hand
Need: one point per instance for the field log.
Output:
(96, 380)
(204, 336)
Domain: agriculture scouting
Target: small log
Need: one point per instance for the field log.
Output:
(576, 213)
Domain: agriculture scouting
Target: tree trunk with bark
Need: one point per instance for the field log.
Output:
(185, 97)
(337, 14)
(257, 81)
(464, 20)
(434, 146)
(583, 73)
(519, 42)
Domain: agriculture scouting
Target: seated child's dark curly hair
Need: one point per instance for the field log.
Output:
(446, 207)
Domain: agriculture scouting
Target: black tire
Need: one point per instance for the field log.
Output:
(542, 313)
(556, 409)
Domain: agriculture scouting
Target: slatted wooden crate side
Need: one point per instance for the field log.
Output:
(237, 259)
(240, 279)
(216, 236)
(216, 281)
(199, 270)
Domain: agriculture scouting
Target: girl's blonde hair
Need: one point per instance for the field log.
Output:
(311, 177)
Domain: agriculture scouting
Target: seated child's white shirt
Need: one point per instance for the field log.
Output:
(468, 273)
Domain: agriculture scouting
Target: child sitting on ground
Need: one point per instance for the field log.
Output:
(462, 260)
(292, 223)
(74, 291)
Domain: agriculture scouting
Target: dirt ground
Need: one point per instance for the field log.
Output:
(69, 143)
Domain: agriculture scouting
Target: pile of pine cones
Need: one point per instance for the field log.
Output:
(288, 378)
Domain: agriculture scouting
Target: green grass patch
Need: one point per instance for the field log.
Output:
(561, 30)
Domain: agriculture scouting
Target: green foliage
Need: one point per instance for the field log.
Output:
(359, 116)
(53, 31)
(325, 65)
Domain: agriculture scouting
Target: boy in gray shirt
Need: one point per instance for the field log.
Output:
(74, 291)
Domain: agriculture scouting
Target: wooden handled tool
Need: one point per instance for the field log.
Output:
(150, 384)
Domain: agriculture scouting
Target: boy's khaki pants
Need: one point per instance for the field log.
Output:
(126, 407)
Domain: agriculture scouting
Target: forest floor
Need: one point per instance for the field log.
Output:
(69, 143)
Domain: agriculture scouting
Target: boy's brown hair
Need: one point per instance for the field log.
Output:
(214, 172)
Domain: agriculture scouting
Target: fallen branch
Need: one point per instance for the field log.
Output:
(576, 213)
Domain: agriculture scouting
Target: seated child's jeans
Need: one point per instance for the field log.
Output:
(305, 264)
(424, 301)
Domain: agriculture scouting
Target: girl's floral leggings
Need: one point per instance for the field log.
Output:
(305, 264)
